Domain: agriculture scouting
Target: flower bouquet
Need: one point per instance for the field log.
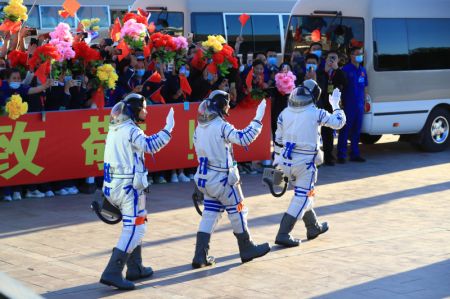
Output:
(285, 82)
(18, 59)
(85, 57)
(181, 51)
(91, 24)
(219, 53)
(137, 17)
(15, 12)
(62, 39)
(41, 60)
(106, 79)
(164, 46)
(15, 107)
(134, 34)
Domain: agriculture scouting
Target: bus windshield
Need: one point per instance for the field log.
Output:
(168, 22)
(333, 32)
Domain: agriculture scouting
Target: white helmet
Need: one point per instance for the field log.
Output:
(305, 94)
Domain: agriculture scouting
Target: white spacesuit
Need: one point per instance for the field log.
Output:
(297, 141)
(217, 176)
(125, 178)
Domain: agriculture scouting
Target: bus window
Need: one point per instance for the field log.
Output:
(234, 29)
(50, 18)
(285, 23)
(168, 22)
(266, 33)
(334, 32)
(262, 32)
(429, 43)
(204, 24)
(33, 17)
(390, 45)
(90, 12)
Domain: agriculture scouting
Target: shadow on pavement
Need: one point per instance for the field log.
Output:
(417, 283)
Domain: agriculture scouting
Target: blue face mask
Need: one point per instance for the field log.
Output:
(1, 44)
(140, 72)
(14, 85)
(210, 77)
(272, 60)
(359, 58)
(311, 65)
(67, 78)
(187, 73)
(318, 53)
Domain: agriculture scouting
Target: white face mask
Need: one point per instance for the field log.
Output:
(241, 68)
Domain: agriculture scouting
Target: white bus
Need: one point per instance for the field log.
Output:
(264, 30)
(406, 54)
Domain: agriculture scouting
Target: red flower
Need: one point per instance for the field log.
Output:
(83, 51)
(43, 53)
(17, 58)
(138, 18)
(170, 44)
(227, 51)
(234, 62)
(218, 58)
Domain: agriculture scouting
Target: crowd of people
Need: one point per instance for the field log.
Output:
(252, 77)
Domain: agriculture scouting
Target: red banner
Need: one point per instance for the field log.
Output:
(70, 144)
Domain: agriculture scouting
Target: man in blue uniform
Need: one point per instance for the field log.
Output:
(353, 97)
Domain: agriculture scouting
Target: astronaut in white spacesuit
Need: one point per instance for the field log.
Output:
(125, 178)
(217, 176)
(297, 153)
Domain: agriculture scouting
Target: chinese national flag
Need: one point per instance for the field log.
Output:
(155, 78)
(157, 97)
(148, 49)
(99, 97)
(115, 32)
(249, 79)
(142, 12)
(243, 19)
(151, 28)
(71, 7)
(43, 71)
(184, 84)
(124, 48)
(63, 13)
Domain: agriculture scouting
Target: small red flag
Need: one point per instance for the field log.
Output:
(249, 79)
(115, 31)
(148, 49)
(99, 97)
(151, 28)
(197, 61)
(157, 97)
(142, 12)
(124, 48)
(243, 19)
(184, 84)
(10, 26)
(155, 78)
(63, 13)
(43, 71)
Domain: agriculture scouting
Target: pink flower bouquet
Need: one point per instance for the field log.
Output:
(285, 82)
(134, 34)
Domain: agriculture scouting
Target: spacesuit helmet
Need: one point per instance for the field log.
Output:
(133, 105)
(305, 94)
(215, 105)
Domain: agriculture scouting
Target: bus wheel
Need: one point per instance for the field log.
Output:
(369, 139)
(435, 133)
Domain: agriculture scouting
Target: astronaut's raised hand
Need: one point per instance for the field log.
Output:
(335, 98)
(170, 121)
(260, 110)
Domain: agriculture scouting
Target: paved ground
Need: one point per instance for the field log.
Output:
(389, 238)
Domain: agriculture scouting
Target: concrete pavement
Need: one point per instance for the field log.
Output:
(389, 238)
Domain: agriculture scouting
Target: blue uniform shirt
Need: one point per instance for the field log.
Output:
(6, 92)
(353, 94)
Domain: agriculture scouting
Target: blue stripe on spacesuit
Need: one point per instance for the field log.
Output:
(237, 202)
(135, 202)
(106, 174)
(213, 205)
(224, 181)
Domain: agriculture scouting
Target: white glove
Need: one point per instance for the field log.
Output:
(260, 110)
(170, 121)
(335, 98)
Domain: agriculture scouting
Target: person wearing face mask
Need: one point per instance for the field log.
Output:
(139, 76)
(354, 95)
(13, 85)
(316, 49)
